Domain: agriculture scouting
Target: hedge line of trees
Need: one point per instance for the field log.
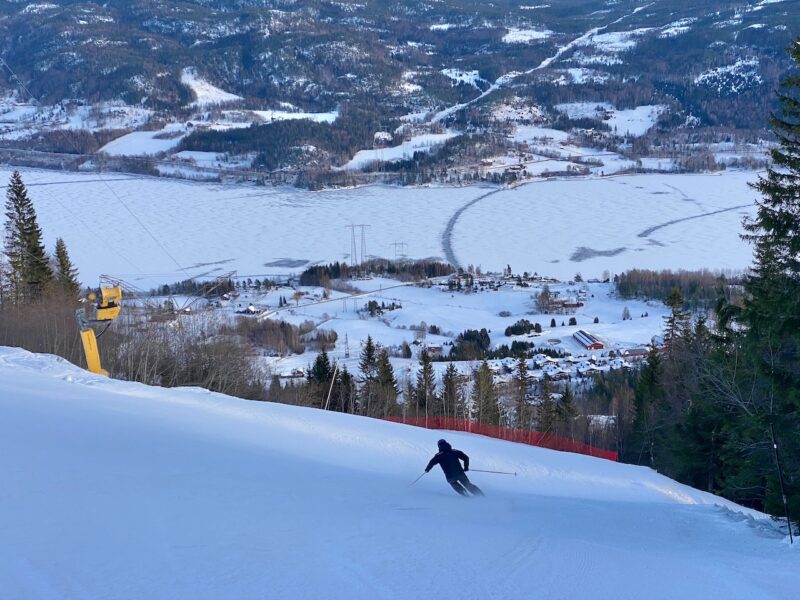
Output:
(699, 289)
(323, 275)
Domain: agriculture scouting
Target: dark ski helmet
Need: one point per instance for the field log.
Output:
(443, 445)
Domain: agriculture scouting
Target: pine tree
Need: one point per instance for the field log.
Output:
(66, 274)
(676, 323)
(345, 392)
(546, 415)
(29, 268)
(520, 394)
(450, 391)
(367, 363)
(409, 404)
(425, 389)
(484, 396)
(771, 313)
(321, 371)
(566, 411)
(647, 400)
(386, 383)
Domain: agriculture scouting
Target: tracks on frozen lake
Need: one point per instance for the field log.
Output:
(647, 232)
(447, 234)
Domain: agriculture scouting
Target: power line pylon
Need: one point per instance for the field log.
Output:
(402, 246)
(363, 243)
(353, 257)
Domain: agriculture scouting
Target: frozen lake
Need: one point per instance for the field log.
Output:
(150, 230)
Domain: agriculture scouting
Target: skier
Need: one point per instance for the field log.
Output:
(448, 459)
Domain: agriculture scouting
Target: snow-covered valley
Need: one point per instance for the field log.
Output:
(119, 490)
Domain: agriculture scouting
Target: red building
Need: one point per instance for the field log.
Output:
(587, 340)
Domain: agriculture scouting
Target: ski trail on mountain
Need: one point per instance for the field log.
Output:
(509, 77)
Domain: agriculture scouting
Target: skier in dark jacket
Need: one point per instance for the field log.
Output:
(448, 459)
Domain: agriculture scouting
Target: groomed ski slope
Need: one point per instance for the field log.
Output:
(117, 490)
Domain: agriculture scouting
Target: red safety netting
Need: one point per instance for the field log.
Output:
(521, 436)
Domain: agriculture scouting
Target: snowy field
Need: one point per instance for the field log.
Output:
(635, 121)
(150, 230)
(452, 313)
(119, 490)
(205, 93)
(403, 151)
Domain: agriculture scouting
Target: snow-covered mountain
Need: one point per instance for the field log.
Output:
(200, 73)
(119, 490)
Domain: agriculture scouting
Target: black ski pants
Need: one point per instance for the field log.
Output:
(460, 482)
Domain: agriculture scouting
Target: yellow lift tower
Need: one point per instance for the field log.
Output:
(102, 306)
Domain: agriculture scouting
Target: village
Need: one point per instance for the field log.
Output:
(567, 331)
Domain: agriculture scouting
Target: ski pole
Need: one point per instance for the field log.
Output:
(417, 479)
(496, 472)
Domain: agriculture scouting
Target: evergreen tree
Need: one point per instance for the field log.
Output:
(648, 398)
(368, 365)
(5, 281)
(29, 268)
(368, 362)
(386, 385)
(410, 408)
(425, 389)
(321, 371)
(519, 387)
(66, 274)
(484, 396)
(566, 411)
(546, 414)
(450, 391)
(344, 398)
(771, 313)
(676, 323)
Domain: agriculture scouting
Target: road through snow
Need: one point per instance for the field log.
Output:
(119, 490)
(506, 79)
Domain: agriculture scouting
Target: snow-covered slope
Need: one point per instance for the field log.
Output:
(119, 490)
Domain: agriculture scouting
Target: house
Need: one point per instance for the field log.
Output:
(589, 371)
(587, 340)
(636, 353)
(435, 350)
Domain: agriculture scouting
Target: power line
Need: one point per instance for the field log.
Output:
(110, 189)
(96, 234)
